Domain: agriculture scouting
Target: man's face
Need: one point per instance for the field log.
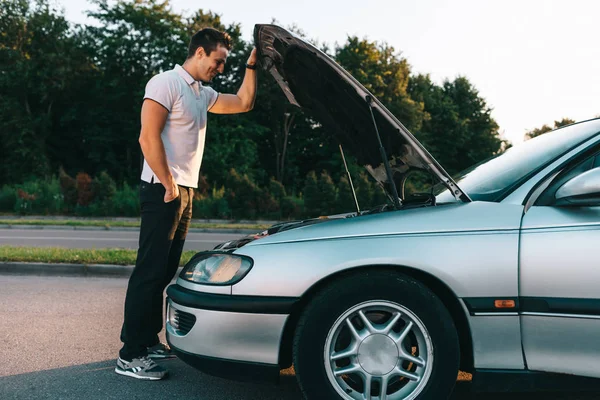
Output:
(210, 66)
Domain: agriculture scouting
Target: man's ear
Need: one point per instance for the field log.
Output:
(200, 52)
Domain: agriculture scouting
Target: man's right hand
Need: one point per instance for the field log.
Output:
(171, 192)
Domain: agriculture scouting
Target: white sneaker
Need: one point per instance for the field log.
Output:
(141, 368)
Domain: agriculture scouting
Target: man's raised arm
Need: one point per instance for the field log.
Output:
(243, 101)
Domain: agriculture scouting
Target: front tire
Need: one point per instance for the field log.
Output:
(373, 336)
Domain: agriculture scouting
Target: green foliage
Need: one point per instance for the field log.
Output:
(345, 198)
(103, 191)
(379, 196)
(40, 63)
(545, 128)
(103, 187)
(459, 130)
(8, 198)
(49, 197)
(312, 197)
(320, 195)
(276, 189)
(229, 145)
(68, 187)
(65, 195)
(125, 202)
(292, 208)
(214, 206)
(203, 188)
(247, 200)
(327, 194)
(32, 197)
(364, 192)
(385, 74)
(71, 99)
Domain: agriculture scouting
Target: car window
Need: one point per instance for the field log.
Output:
(498, 176)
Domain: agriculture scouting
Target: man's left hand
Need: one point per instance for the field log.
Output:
(252, 59)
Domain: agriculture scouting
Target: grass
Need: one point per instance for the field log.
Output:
(127, 224)
(75, 256)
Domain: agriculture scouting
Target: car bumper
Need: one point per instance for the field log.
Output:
(236, 337)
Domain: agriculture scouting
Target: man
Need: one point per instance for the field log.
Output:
(172, 136)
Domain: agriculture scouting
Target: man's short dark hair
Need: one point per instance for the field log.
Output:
(208, 39)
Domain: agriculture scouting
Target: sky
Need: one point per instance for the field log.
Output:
(533, 61)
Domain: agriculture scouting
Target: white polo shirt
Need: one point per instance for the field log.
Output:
(185, 129)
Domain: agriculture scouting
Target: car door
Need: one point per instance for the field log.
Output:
(559, 274)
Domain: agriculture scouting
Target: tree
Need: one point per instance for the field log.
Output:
(327, 192)
(42, 64)
(545, 128)
(71, 98)
(345, 197)
(381, 70)
(364, 193)
(458, 130)
(230, 145)
(312, 198)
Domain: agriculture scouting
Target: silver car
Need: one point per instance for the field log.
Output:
(494, 272)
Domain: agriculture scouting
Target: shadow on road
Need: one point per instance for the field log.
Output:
(98, 381)
(463, 391)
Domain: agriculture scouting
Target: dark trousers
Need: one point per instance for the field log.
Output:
(162, 236)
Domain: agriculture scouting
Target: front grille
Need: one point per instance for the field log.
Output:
(184, 322)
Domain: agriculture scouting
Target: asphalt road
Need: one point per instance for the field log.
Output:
(89, 239)
(60, 338)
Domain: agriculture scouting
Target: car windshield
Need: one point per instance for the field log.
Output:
(493, 179)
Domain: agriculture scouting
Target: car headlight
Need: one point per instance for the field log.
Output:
(212, 268)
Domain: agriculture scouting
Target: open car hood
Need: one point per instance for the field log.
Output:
(314, 82)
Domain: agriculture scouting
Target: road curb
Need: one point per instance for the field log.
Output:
(134, 219)
(49, 269)
(75, 270)
(122, 228)
(64, 269)
(241, 231)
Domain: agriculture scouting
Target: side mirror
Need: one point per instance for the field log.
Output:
(583, 190)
